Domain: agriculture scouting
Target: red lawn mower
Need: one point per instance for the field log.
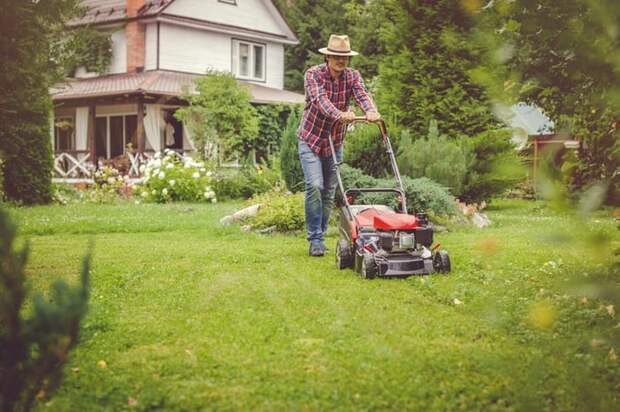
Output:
(380, 242)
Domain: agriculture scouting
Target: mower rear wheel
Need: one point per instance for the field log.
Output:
(441, 262)
(369, 267)
(344, 255)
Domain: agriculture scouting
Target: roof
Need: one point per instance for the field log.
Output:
(155, 82)
(113, 11)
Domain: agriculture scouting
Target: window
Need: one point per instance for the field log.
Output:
(248, 60)
(63, 134)
(113, 133)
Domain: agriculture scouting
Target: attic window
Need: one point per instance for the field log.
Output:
(233, 2)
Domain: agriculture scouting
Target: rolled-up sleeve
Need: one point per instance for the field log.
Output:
(317, 94)
(361, 95)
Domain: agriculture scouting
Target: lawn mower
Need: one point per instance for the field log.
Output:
(379, 241)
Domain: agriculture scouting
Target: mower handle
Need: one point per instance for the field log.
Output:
(380, 123)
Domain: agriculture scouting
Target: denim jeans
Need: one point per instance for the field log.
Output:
(320, 183)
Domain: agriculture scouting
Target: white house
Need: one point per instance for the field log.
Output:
(158, 48)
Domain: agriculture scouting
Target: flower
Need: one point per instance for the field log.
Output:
(214, 200)
(172, 182)
(157, 155)
(164, 192)
(169, 166)
(196, 175)
(202, 169)
(209, 173)
(142, 168)
(154, 192)
(161, 175)
(111, 180)
(144, 194)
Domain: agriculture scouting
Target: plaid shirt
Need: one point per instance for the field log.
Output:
(326, 100)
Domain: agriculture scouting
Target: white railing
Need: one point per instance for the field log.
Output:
(73, 164)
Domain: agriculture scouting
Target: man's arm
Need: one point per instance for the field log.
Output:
(318, 95)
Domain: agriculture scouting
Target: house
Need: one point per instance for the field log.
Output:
(158, 48)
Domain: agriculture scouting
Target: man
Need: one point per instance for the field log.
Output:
(329, 87)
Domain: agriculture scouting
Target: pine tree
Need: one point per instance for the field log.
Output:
(33, 351)
(290, 165)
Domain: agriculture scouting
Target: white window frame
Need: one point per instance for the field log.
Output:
(236, 58)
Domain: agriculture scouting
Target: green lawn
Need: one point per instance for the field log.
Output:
(190, 315)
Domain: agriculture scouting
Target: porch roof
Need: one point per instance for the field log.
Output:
(155, 82)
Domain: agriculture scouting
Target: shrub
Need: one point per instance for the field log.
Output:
(493, 165)
(33, 351)
(290, 165)
(248, 181)
(108, 185)
(423, 194)
(436, 157)
(167, 179)
(272, 121)
(281, 210)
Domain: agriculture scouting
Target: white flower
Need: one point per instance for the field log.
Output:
(187, 165)
(144, 194)
(137, 202)
(142, 168)
(169, 166)
(172, 182)
(214, 200)
(161, 175)
(154, 192)
(111, 180)
(209, 173)
(157, 155)
(166, 150)
(202, 169)
(164, 191)
(196, 175)
(145, 180)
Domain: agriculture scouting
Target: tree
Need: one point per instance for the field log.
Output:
(565, 58)
(290, 164)
(33, 351)
(28, 30)
(220, 113)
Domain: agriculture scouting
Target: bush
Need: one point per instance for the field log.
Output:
(33, 351)
(248, 181)
(423, 194)
(281, 210)
(493, 165)
(436, 157)
(290, 165)
(167, 179)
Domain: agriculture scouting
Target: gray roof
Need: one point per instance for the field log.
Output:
(155, 82)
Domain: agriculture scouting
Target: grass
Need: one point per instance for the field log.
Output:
(190, 315)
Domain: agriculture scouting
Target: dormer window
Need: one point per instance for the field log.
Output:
(248, 60)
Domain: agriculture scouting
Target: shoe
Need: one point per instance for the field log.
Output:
(316, 249)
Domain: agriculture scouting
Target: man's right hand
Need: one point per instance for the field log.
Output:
(347, 117)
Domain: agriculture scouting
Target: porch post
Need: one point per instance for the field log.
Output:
(140, 128)
(91, 134)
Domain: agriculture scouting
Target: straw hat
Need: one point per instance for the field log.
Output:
(338, 46)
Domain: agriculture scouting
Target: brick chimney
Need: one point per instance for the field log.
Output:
(135, 34)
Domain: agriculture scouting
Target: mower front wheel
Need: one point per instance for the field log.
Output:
(441, 262)
(344, 255)
(369, 267)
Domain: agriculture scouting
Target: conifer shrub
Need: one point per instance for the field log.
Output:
(290, 165)
(33, 350)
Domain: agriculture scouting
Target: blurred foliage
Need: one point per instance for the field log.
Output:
(248, 181)
(565, 58)
(34, 350)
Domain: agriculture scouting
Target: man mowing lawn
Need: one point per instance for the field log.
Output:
(329, 87)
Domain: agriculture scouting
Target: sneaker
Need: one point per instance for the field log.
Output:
(316, 249)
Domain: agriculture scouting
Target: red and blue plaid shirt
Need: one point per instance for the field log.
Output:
(326, 100)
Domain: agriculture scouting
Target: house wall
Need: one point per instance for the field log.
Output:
(118, 64)
(252, 14)
(150, 52)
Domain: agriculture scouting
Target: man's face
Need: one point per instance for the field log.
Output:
(337, 63)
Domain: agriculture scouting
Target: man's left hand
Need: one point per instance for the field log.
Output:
(373, 116)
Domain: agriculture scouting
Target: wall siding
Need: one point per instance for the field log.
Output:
(150, 52)
(251, 14)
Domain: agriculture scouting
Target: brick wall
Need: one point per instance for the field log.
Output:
(135, 34)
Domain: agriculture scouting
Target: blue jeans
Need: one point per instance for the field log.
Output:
(320, 182)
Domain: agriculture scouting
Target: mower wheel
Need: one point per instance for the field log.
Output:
(441, 261)
(344, 255)
(369, 267)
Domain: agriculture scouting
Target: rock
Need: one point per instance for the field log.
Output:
(480, 220)
(241, 214)
(246, 228)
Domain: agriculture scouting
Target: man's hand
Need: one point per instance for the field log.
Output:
(373, 116)
(347, 117)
